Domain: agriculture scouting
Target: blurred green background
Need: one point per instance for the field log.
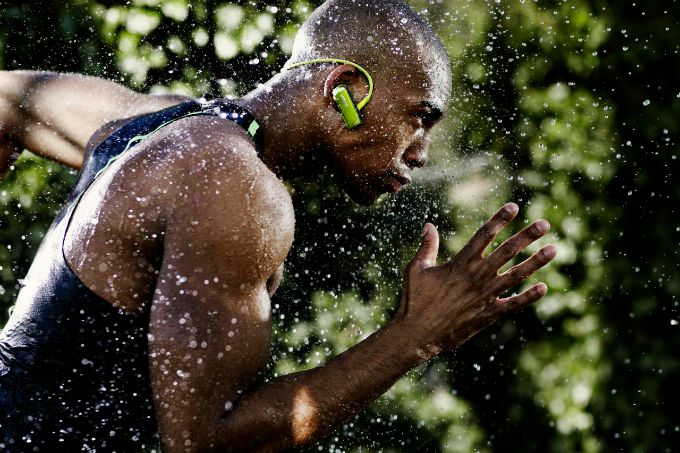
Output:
(569, 108)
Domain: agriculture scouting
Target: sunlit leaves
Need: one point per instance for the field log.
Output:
(177, 10)
(210, 36)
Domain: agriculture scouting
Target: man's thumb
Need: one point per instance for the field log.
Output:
(427, 254)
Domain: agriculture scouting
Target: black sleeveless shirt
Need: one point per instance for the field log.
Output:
(74, 371)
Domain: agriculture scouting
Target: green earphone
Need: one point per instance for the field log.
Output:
(341, 95)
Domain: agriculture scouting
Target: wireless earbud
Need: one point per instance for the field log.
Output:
(350, 113)
(341, 95)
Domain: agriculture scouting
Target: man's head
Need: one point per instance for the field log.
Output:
(411, 71)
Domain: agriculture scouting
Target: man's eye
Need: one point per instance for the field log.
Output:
(422, 119)
(427, 116)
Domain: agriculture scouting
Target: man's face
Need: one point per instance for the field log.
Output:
(380, 156)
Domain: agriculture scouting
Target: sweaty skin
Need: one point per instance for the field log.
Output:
(193, 227)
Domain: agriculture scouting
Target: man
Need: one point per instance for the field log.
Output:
(147, 306)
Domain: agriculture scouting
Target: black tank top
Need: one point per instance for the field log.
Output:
(74, 371)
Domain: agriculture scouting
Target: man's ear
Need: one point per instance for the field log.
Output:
(345, 75)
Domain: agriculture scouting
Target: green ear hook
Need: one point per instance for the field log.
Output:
(341, 95)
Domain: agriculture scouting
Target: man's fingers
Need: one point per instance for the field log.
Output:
(429, 246)
(511, 247)
(517, 274)
(519, 301)
(486, 234)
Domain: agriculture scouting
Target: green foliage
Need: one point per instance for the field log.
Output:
(30, 196)
(568, 108)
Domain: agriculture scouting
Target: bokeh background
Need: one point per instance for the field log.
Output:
(569, 108)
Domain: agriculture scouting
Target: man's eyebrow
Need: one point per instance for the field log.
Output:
(431, 112)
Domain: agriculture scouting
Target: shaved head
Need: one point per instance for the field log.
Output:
(387, 37)
(412, 85)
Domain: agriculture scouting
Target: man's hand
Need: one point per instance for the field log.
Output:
(446, 305)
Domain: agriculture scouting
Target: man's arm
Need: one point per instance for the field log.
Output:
(55, 115)
(210, 320)
(442, 307)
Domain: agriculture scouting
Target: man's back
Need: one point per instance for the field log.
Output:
(76, 355)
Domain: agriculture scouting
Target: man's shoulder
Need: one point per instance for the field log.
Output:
(203, 141)
(226, 201)
(204, 163)
(221, 172)
(218, 150)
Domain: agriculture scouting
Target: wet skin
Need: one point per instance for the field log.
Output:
(380, 156)
(192, 226)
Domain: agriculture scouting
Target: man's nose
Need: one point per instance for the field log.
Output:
(415, 157)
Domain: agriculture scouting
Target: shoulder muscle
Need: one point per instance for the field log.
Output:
(230, 211)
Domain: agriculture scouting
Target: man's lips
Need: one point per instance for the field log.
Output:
(398, 181)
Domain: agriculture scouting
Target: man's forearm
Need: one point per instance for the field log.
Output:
(299, 408)
(35, 116)
(55, 115)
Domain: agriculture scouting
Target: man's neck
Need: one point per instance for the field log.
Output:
(287, 138)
